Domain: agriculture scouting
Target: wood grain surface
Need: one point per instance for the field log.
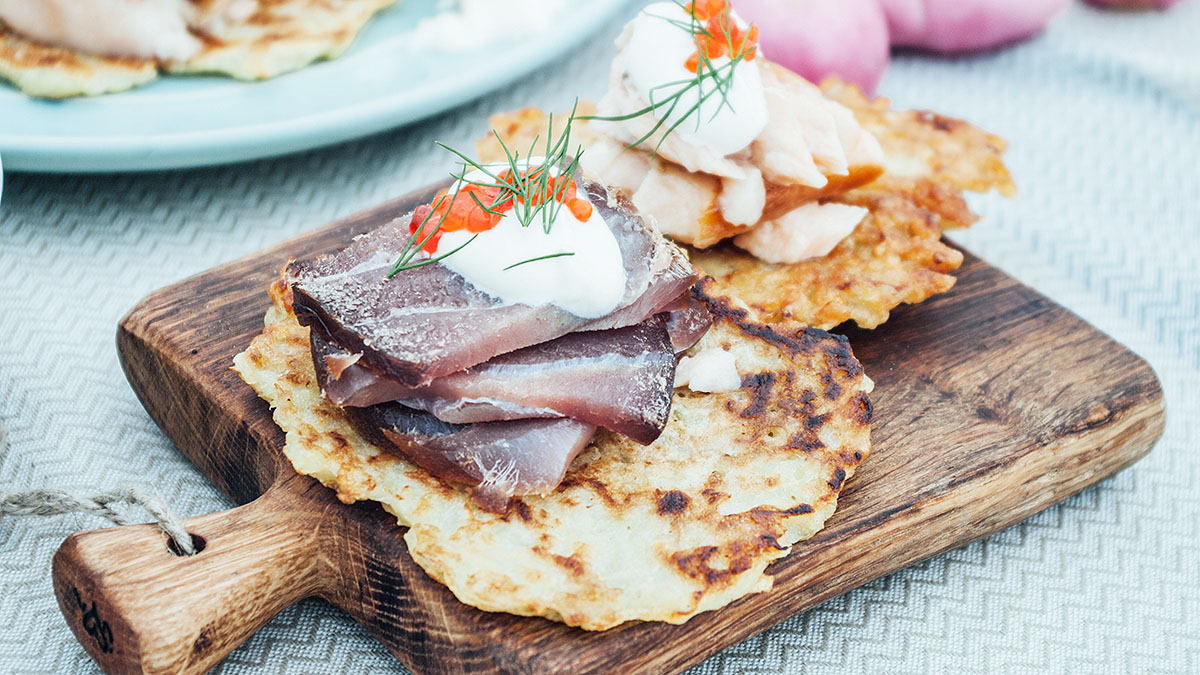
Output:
(991, 404)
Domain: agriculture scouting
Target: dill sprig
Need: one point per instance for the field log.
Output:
(710, 79)
(527, 186)
(408, 257)
(533, 191)
(541, 257)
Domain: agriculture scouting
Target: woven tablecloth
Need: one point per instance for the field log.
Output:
(1103, 116)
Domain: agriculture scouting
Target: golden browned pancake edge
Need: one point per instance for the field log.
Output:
(280, 37)
(52, 72)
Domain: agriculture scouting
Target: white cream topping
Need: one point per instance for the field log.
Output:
(655, 56)
(468, 25)
(711, 370)
(136, 28)
(589, 283)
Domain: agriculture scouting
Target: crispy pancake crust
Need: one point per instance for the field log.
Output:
(925, 151)
(51, 72)
(520, 128)
(652, 533)
(282, 36)
(896, 255)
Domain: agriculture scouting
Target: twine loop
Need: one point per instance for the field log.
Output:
(51, 502)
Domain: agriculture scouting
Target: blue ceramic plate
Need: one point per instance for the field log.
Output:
(175, 122)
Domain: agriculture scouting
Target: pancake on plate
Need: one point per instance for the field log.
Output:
(245, 39)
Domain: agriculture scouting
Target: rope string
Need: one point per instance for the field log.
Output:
(55, 502)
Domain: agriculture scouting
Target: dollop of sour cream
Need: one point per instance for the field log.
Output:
(656, 55)
(589, 283)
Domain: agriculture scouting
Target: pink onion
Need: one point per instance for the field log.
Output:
(818, 38)
(952, 26)
(1132, 4)
(850, 38)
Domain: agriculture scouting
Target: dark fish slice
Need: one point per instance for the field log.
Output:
(621, 379)
(498, 459)
(687, 325)
(429, 322)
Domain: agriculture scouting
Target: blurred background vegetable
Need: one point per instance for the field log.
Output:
(852, 38)
(1134, 4)
(817, 38)
(953, 26)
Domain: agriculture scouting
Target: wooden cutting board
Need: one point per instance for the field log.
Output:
(991, 404)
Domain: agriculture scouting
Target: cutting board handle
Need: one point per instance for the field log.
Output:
(139, 608)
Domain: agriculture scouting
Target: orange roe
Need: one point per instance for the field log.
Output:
(461, 212)
(714, 44)
(581, 209)
(421, 221)
(702, 9)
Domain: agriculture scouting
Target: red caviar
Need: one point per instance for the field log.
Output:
(460, 212)
(717, 22)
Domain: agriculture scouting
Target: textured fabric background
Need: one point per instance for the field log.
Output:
(1103, 115)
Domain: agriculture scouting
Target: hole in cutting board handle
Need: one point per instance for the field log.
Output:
(197, 541)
